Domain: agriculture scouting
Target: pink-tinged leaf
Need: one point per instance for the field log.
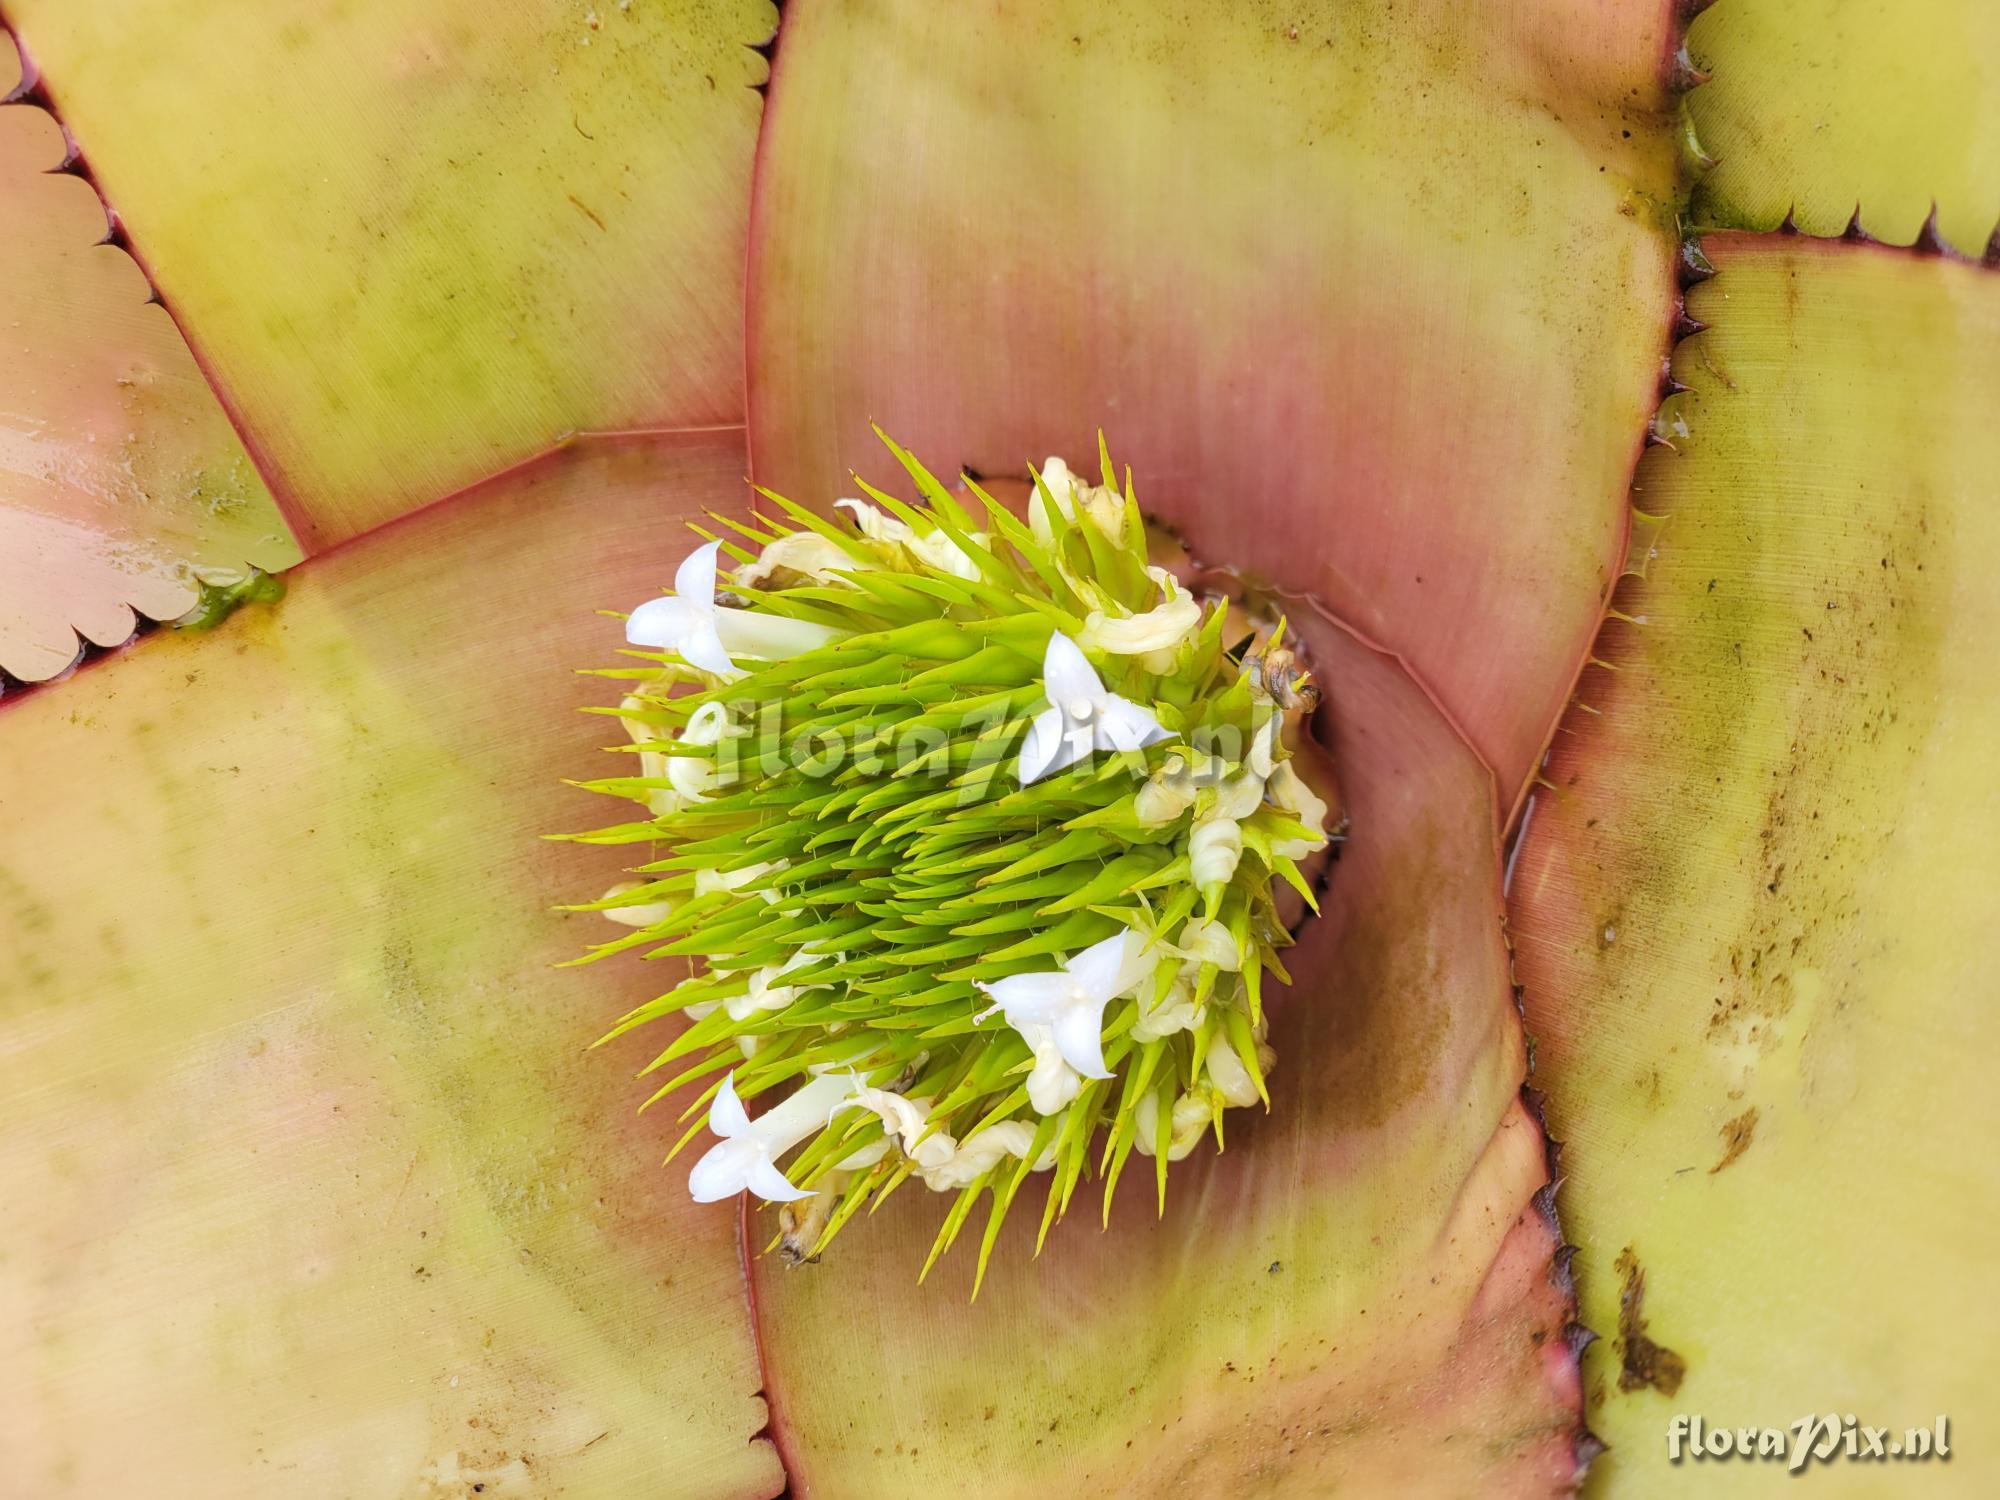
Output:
(416, 245)
(1373, 297)
(1355, 1297)
(120, 478)
(311, 1189)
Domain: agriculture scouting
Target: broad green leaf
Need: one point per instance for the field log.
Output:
(1825, 108)
(418, 244)
(120, 478)
(1355, 1297)
(312, 1190)
(1372, 297)
(1752, 920)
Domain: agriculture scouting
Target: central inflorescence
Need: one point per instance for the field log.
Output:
(977, 829)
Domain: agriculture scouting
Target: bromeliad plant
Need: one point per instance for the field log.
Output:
(976, 829)
(488, 300)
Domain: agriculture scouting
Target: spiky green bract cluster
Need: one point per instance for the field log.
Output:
(859, 856)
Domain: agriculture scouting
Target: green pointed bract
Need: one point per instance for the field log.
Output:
(858, 842)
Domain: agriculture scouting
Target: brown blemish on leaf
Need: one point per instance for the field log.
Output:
(1643, 1362)
(1736, 1138)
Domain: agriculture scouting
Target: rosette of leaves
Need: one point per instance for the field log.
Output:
(295, 1095)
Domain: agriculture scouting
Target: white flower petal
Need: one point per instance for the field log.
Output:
(1080, 1038)
(1146, 1124)
(1168, 792)
(1047, 749)
(706, 725)
(1263, 757)
(943, 554)
(1014, 1138)
(1160, 628)
(875, 523)
(1081, 715)
(1239, 795)
(1190, 1123)
(806, 553)
(1289, 791)
(1210, 943)
(933, 548)
(900, 1116)
(907, 1120)
(713, 882)
(701, 647)
(1103, 505)
(1036, 998)
(660, 801)
(1231, 1079)
(725, 1112)
(705, 636)
(1121, 724)
(1052, 1083)
(694, 579)
(1068, 679)
(724, 1170)
(661, 623)
(766, 994)
(982, 1151)
(692, 777)
(1176, 1013)
(1061, 482)
(640, 731)
(1055, 476)
(640, 916)
(1100, 970)
(767, 1182)
(1215, 848)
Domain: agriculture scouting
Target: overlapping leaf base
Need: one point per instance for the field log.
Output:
(310, 1190)
(1752, 918)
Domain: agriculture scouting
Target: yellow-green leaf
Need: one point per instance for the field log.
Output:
(1753, 919)
(417, 244)
(1822, 107)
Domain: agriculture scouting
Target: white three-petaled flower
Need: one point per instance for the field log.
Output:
(1070, 1001)
(747, 1155)
(704, 633)
(686, 623)
(1081, 716)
